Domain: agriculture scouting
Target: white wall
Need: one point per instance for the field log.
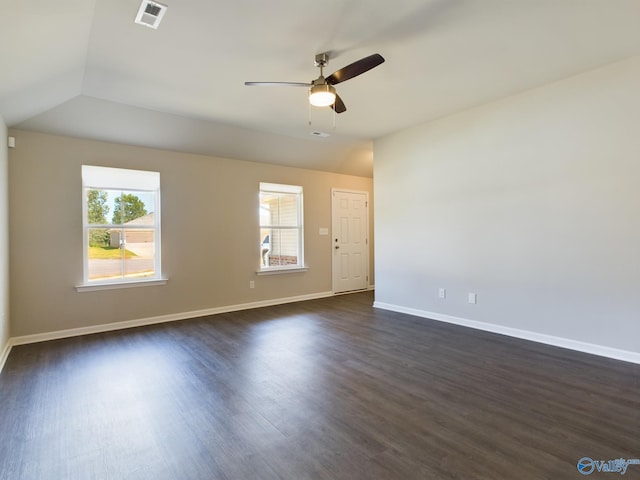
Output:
(532, 202)
(210, 234)
(4, 244)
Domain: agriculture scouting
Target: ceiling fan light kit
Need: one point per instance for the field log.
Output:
(321, 90)
(322, 95)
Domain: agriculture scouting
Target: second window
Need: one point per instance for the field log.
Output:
(281, 226)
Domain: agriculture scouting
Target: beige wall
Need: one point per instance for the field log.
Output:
(4, 240)
(531, 202)
(210, 233)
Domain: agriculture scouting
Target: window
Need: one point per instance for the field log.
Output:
(281, 232)
(121, 225)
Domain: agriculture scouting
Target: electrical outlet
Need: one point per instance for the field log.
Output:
(442, 293)
(473, 298)
(252, 284)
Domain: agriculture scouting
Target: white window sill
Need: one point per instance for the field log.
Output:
(281, 270)
(92, 287)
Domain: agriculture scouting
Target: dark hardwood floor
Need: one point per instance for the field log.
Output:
(324, 389)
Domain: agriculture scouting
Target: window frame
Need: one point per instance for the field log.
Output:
(124, 181)
(284, 189)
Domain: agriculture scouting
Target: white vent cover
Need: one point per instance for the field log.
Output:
(150, 13)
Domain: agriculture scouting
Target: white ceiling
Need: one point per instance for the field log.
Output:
(83, 68)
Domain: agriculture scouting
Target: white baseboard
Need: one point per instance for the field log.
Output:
(5, 354)
(617, 354)
(76, 332)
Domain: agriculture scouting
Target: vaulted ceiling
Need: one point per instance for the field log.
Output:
(84, 68)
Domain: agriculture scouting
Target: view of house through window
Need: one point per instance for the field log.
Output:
(281, 233)
(121, 224)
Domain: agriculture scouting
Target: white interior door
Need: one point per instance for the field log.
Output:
(350, 240)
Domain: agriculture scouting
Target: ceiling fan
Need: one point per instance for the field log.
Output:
(321, 90)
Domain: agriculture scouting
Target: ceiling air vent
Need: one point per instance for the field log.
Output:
(320, 134)
(150, 13)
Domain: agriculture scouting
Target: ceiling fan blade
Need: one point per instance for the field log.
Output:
(338, 105)
(356, 68)
(277, 84)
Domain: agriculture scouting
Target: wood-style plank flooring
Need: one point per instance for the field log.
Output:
(325, 389)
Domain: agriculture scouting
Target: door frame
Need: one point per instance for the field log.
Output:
(367, 242)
